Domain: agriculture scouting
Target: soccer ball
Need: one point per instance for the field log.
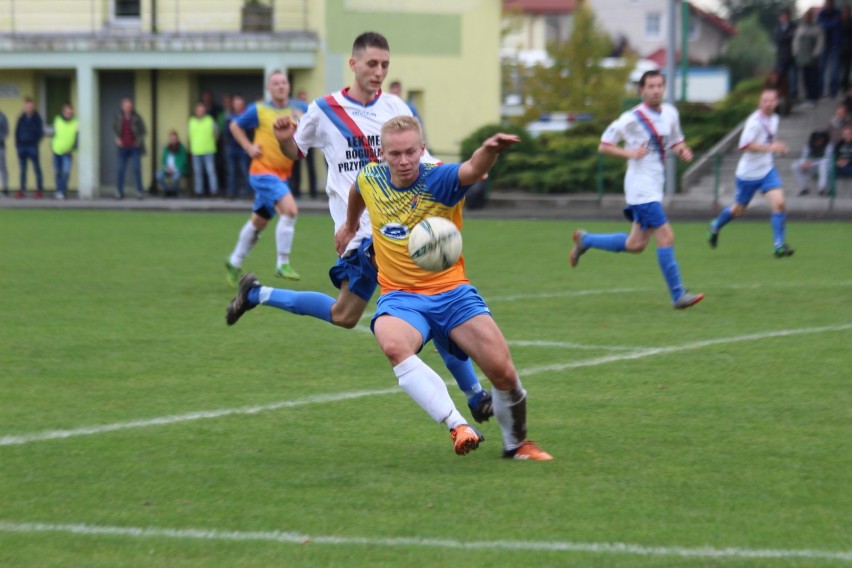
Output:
(435, 244)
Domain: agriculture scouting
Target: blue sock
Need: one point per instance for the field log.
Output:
(723, 219)
(613, 242)
(312, 304)
(779, 226)
(463, 372)
(671, 272)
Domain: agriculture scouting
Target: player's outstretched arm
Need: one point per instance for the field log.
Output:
(284, 128)
(485, 157)
(353, 220)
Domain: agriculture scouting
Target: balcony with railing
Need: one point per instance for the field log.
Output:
(155, 25)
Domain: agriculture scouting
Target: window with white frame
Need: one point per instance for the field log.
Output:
(653, 25)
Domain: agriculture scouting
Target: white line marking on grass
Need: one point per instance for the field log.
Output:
(567, 345)
(192, 416)
(565, 294)
(650, 352)
(189, 417)
(509, 545)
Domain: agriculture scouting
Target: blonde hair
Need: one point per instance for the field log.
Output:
(402, 124)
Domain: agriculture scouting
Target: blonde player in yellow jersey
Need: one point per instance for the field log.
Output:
(416, 305)
(268, 175)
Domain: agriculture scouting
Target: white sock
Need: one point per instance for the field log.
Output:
(428, 390)
(510, 410)
(245, 242)
(284, 231)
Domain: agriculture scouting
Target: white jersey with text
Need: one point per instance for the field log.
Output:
(758, 129)
(658, 131)
(349, 135)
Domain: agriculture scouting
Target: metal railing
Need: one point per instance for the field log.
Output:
(711, 161)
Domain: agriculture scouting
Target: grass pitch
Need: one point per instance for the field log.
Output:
(137, 429)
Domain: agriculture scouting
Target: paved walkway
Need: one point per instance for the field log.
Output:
(500, 205)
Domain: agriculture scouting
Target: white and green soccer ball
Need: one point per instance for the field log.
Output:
(435, 244)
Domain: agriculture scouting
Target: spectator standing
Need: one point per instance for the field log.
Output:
(843, 153)
(4, 173)
(129, 130)
(172, 165)
(64, 143)
(28, 134)
(845, 47)
(807, 47)
(785, 63)
(202, 146)
(816, 157)
(219, 113)
(236, 159)
(395, 88)
(829, 20)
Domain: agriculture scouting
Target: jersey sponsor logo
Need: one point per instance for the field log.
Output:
(395, 231)
(656, 142)
(363, 149)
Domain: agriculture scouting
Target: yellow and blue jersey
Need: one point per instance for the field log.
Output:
(261, 117)
(393, 213)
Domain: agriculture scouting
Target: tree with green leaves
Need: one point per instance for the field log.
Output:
(751, 52)
(765, 11)
(575, 80)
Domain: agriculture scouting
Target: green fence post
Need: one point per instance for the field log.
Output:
(717, 160)
(832, 184)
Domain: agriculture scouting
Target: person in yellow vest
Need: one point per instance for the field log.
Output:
(269, 174)
(202, 146)
(64, 143)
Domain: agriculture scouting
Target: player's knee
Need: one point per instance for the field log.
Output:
(635, 247)
(503, 377)
(347, 321)
(396, 351)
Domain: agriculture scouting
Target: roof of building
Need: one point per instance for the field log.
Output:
(720, 24)
(540, 6)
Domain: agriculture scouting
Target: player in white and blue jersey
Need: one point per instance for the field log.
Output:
(647, 131)
(346, 126)
(756, 173)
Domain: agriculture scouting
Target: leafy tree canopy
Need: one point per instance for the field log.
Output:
(766, 11)
(576, 80)
(751, 52)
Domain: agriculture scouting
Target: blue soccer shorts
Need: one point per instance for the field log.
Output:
(434, 316)
(746, 188)
(647, 215)
(357, 267)
(268, 190)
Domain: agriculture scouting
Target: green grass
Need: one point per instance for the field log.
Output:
(735, 433)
